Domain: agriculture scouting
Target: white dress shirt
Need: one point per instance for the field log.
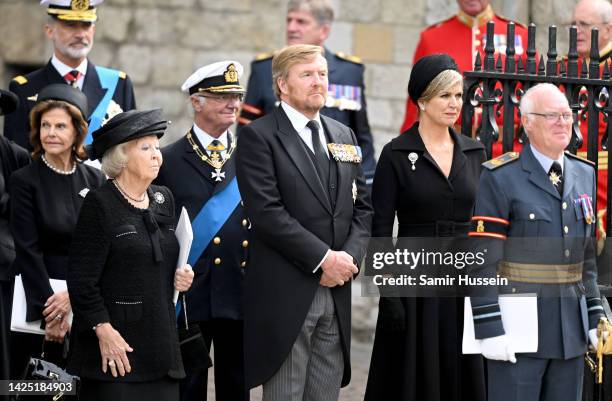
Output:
(206, 139)
(64, 69)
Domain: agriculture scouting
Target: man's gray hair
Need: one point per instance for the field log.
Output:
(321, 10)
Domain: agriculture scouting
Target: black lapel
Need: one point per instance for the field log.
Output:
(570, 176)
(53, 76)
(92, 88)
(459, 158)
(344, 169)
(289, 138)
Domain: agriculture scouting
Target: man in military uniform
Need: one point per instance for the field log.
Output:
(199, 170)
(70, 27)
(462, 36)
(537, 212)
(309, 22)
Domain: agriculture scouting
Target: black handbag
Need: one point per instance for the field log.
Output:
(193, 347)
(41, 370)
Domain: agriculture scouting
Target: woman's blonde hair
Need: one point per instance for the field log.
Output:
(442, 82)
(114, 160)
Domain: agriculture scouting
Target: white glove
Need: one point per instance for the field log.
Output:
(593, 338)
(498, 348)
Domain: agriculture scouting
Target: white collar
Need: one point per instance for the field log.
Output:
(64, 69)
(298, 120)
(205, 138)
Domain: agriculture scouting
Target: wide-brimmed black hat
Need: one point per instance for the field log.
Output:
(65, 93)
(8, 102)
(425, 70)
(125, 127)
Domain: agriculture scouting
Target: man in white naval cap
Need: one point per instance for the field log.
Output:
(199, 170)
(70, 26)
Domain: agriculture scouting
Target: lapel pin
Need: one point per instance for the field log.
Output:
(413, 157)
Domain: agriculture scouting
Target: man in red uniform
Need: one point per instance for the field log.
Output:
(462, 36)
(589, 14)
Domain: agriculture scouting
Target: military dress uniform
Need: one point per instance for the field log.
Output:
(462, 37)
(346, 101)
(198, 173)
(97, 82)
(541, 241)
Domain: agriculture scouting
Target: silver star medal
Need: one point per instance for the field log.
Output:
(554, 178)
(218, 175)
(413, 157)
(159, 197)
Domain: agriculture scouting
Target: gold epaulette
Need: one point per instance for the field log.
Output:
(573, 156)
(20, 79)
(122, 75)
(264, 56)
(348, 57)
(501, 160)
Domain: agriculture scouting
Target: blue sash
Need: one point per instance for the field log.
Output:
(108, 80)
(209, 221)
(212, 217)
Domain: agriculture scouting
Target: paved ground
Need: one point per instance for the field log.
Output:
(360, 362)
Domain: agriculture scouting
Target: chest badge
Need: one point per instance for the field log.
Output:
(413, 157)
(218, 175)
(83, 192)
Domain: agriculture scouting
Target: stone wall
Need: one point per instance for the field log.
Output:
(160, 42)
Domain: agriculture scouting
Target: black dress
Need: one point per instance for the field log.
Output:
(44, 209)
(417, 350)
(121, 270)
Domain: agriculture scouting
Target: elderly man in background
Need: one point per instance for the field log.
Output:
(199, 169)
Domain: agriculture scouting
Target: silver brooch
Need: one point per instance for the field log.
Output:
(218, 175)
(159, 197)
(413, 157)
(83, 192)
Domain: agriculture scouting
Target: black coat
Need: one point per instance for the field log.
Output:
(12, 157)
(45, 206)
(17, 124)
(417, 349)
(346, 75)
(216, 291)
(114, 276)
(293, 226)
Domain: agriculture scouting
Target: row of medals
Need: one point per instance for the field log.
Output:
(214, 159)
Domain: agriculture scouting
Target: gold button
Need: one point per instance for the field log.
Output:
(218, 261)
(245, 243)
(531, 216)
(217, 240)
(564, 205)
(243, 264)
(244, 222)
(566, 229)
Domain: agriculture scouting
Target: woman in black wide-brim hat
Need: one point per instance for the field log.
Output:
(122, 271)
(428, 178)
(46, 197)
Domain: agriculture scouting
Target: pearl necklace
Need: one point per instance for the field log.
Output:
(144, 196)
(57, 170)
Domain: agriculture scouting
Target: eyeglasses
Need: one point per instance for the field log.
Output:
(585, 26)
(554, 117)
(225, 98)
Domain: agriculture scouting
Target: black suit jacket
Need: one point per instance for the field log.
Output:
(216, 291)
(293, 226)
(17, 124)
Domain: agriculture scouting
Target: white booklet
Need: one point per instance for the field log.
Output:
(20, 306)
(184, 235)
(519, 318)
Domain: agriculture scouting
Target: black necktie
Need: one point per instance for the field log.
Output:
(555, 174)
(322, 161)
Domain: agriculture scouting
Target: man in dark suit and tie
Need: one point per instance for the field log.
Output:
(70, 26)
(301, 180)
(199, 169)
